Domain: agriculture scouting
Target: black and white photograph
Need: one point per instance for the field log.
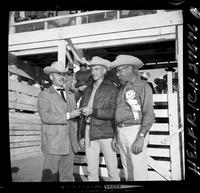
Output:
(104, 96)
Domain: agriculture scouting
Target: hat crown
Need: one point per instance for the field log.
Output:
(56, 66)
(96, 60)
(127, 59)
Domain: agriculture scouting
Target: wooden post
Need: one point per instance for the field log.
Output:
(175, 151)
(62, 51)
(179, 58)
(118, 14)
(45, 25)
(22, 14)
(78, 19)
(169, 82)
(11, 22)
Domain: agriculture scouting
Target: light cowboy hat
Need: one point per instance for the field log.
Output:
(56, 67)
(126, 60)
(145, 75)
(96, 61)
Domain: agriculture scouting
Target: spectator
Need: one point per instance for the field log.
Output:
(161, 83)
(83, 76)
(145, 76)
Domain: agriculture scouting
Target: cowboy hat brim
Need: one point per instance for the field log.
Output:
(127, 60)
(49, 70)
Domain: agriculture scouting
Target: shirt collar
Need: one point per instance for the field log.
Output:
(58, 87)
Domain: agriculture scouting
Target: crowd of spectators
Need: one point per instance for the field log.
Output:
(29, 15)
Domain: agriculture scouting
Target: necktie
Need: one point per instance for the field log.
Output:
(61, 90)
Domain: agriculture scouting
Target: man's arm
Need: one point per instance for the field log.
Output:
(49, 117)
(148, 116)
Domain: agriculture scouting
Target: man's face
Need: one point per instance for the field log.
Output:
(83, 67)
(57, 78)
(70, 81)
(98, 72)
(123, 72)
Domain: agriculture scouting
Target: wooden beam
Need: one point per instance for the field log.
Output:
(179, 58)
(159, 169)
(106, 27)
(24, 118)
(123, 34)
(175, 150)
(23, 88)
(24, 127)
(20, 106)
(160, 127)
(169, 82)
(62, 51)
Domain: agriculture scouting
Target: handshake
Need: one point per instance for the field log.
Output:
(86, 111)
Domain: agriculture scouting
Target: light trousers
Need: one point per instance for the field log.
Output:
(92, 149)
(58, 168)
(134, 166)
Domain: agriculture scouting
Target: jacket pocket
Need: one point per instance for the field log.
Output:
(51, 130)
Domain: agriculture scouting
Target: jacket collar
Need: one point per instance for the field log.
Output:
(52, 89)
(105, 81)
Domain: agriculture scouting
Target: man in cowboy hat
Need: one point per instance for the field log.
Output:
(98, 103)
(58, 133)
(134, 117)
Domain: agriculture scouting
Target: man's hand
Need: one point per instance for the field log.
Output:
(82, 142)
(74, 113)
(87, 111)
(83, 61)
(82, 88)
(138, 145)
(114, 145)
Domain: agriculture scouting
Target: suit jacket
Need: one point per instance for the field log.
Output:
(57, 133)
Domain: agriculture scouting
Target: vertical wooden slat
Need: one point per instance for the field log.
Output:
(174, 141)
(62, 51)
(179, 58)
(169, 82)
(78, 19)
(11, 22)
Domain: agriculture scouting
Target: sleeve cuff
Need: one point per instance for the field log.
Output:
(68, 116)
(94, 113)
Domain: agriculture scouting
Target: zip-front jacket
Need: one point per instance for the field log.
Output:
(102, 123)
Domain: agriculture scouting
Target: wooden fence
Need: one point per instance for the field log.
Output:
(24, 121)
(164, 144)
(164, 159)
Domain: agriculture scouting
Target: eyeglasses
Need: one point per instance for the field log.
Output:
(119, 70)
(61, 73)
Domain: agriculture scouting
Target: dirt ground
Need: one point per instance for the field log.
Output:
(30, 170)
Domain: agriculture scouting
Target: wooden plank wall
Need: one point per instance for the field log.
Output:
(24, 121)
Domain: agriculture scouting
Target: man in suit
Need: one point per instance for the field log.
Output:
(57, 110)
